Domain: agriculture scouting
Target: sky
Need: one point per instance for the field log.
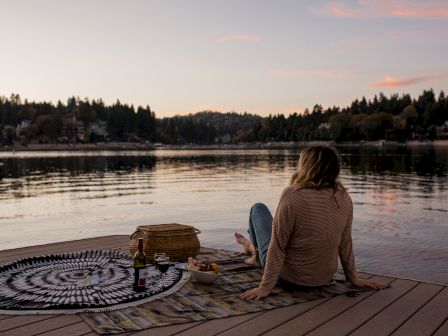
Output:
(254, 56)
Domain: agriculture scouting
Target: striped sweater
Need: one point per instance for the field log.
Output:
(310, 229)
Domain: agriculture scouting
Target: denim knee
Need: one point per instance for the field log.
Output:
(259, 207)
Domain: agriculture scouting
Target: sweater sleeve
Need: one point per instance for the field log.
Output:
(282, 228)
(346, 250)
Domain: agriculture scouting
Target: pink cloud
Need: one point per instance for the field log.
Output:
(390, 82)
(282, 72)
(249, 38)
(341, 11)
(405, 8)
(394, 8)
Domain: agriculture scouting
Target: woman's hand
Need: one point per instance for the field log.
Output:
(364, 283)
(255, 293)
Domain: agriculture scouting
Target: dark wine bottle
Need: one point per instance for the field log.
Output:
(139, 268)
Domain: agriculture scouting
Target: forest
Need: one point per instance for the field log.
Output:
(396, 118)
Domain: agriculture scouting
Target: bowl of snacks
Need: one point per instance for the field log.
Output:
(203, 272)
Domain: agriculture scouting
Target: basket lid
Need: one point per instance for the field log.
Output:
(165, 227)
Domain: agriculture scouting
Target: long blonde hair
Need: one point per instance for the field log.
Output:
(319, 166)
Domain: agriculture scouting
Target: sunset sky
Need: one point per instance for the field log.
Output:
(185, 56)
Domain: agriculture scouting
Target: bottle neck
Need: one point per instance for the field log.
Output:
(140, 245)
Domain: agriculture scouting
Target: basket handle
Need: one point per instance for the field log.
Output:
(132, 235)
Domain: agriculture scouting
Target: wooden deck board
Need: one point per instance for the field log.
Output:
(167, 331)
(17, 321)
(428, 319)
(43, 326)
(216, 327)
(87, 241)
(355, 316)
(397, 313)
(76, 329)
(407, 308)
(443, 330)
(312, 319)
(73, 246)
(271, 319)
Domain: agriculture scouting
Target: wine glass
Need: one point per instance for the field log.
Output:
(157, 256)
(163, 263)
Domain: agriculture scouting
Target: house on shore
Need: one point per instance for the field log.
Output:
(73, 130)
(97, 130)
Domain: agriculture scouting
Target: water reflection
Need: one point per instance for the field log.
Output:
(16, 167)
(432, 161)
(399, 197)
(423, 171)
(100, 176)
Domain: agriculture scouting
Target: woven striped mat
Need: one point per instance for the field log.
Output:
(197, 302)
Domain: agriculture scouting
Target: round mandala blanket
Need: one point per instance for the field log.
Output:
(89, 281)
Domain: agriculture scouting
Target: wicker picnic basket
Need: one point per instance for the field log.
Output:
(178, 241)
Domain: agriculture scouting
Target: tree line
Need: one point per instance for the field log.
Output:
(47, 122)
(398, 118)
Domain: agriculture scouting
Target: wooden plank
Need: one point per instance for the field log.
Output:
(100, 244)
(217, 326)
(43, 326)
(355, 316)
(166, 331)
(17, 321)
(313, 318)
(271, 319)
(251, 324)
(421, 309)
(443, 330)
(62, 245)
(76, 329)
(428, 319)
(398, 312)
(4, 258)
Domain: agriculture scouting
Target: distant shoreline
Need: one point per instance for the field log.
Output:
(132, 146)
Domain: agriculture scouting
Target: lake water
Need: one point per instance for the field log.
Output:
(400, 198)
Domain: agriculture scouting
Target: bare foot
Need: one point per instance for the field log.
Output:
(253, 260)
(249, 248)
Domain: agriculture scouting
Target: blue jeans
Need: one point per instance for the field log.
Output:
(260, 229)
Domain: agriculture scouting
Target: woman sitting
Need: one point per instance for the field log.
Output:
(311, 228)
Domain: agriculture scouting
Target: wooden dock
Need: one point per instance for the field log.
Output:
(407, 308)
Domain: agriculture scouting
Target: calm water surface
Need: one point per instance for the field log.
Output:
(400, 198)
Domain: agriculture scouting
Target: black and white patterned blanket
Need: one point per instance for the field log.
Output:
(79, 282)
